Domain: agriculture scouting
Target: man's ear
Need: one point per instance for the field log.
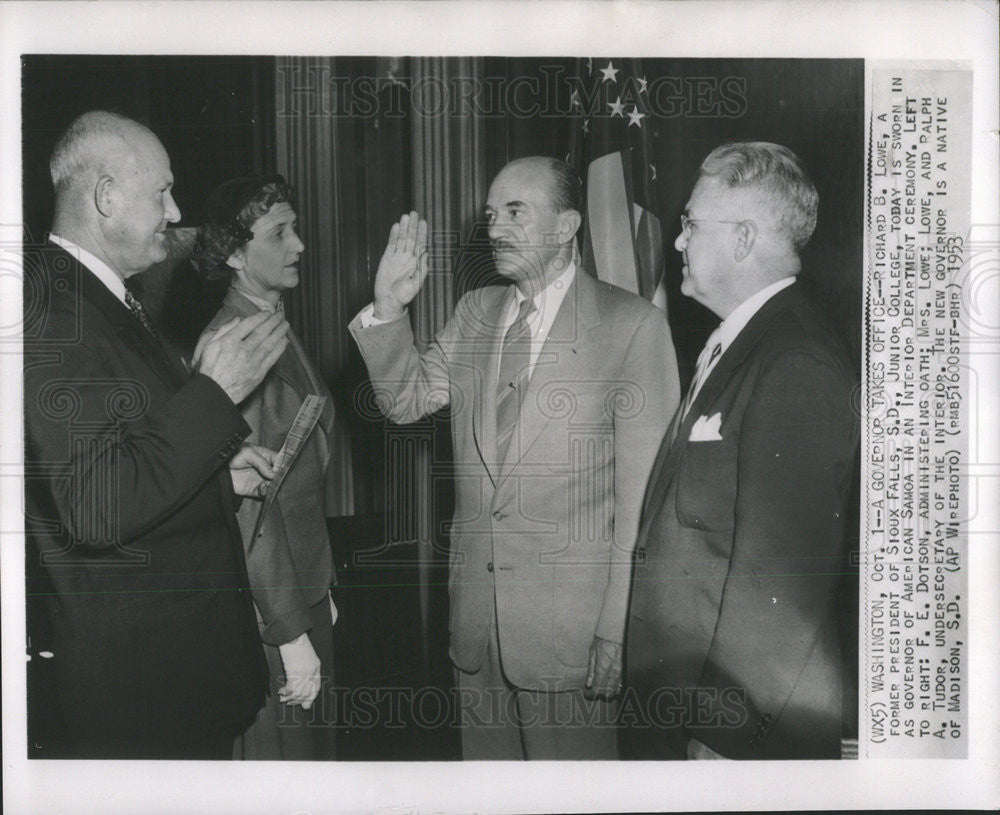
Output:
(746, 237)
(104, 195)
(569, 225)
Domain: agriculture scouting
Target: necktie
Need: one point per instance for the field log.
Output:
(140, 313)
(708, 355)
(514, 358)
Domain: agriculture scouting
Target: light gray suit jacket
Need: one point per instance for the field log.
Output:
(549, 535)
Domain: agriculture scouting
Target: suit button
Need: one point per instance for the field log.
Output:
(489, 566)
(498, 516)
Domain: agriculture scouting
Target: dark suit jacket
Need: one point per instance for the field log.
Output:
(129, 507)
(545, 539)
(741, 548)
(290, 562)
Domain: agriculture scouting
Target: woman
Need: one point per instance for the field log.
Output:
(248, 237)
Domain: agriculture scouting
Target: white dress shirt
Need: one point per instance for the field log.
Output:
(730, 328)
(547, 303)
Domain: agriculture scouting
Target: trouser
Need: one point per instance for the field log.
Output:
(501, 721)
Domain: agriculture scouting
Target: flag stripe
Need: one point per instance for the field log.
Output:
(649, 248)
(609, 227)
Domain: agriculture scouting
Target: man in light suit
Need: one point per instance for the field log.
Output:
(558, 385)
(130, 465)
(732, 640)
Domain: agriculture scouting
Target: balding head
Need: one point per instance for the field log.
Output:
(533, 214)
(95, 143)
(559, 178)
(112, 182)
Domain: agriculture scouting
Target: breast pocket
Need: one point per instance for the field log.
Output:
(706, 491)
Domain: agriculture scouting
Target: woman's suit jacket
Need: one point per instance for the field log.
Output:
(547, 537)
(290, 562)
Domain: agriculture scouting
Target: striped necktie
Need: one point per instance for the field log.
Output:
(514, 375)
(138, 311)
(708, 355)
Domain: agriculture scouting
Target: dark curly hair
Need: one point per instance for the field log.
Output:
(228, 216)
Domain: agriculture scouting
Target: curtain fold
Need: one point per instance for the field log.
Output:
(449, 188)
(449, 178)
(307, 155)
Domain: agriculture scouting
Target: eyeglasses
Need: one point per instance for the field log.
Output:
(687, 223)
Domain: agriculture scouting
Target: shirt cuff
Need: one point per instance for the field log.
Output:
(368, 318)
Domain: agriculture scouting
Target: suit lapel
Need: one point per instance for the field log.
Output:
(728, 364)
(129, 329)
(293, 367)
(287, 367)
(558, 362)
(486, 358)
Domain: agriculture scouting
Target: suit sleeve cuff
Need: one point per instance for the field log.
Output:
(286, 628)
(228, 424)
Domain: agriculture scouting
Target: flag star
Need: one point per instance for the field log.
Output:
(652, 168)
(642, 84)
(635, 118)
(610, 73)
(574, 99)
(617, 108)
(586, 125)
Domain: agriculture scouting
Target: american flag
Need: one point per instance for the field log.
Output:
(611, 146)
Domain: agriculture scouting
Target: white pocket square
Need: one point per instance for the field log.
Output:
(706, 428)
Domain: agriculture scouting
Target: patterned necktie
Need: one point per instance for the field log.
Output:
(514, 375)
(708, 355)
(140, 313)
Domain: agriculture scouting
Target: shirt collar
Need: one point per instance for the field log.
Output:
(548, 300)
(260, 302)
(742, 314)
(111, 280)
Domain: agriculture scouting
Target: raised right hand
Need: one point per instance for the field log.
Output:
(403, 267)
(240, 353)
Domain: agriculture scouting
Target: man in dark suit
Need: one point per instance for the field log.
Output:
(129, 499)
(732, 640)
(559, 385)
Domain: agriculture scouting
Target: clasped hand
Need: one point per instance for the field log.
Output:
(252, 469)
(302, 672)
(238, 354)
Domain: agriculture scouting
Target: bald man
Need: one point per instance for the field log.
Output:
(560, 387)
(131, 464)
